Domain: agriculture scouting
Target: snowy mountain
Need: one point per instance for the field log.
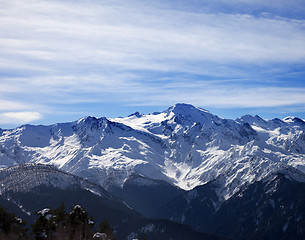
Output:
(184, 145)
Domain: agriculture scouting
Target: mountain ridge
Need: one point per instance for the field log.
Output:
(184, 145)
(271, 208)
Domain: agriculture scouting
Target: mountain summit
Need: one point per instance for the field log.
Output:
(184, 145)
(186, 109)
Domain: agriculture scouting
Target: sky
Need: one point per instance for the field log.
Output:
(61, 60)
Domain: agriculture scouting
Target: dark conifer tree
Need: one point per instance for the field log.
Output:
(79, 224)
(105, 228)
(11, 227)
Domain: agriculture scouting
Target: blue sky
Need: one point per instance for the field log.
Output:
(61, 60)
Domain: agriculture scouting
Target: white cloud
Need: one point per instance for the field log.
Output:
(70, 52)
(124, 37)
(19, 117)
(9, 105)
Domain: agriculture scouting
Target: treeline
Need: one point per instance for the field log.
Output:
(54, 224)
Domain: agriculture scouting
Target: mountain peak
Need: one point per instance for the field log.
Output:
(185, 109)
(87, 119)
(136, 114)
(251, 119)
(91, 121)
(290, 119)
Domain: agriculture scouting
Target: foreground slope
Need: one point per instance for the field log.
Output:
(34, 185)
(27, 189)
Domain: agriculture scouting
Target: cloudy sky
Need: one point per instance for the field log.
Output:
(61, 60)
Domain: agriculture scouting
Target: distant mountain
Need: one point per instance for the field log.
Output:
(184, 145)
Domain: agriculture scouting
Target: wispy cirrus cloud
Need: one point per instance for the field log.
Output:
(91, 33)
(138, 53)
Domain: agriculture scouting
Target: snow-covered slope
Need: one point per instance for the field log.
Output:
(184, 145)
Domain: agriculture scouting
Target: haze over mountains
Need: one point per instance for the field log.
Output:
(174, 151)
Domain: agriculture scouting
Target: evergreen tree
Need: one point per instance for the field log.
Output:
(60, 219)
(10, 226)
(43, 227)
(79, 224)
(60, 214)
(51, 222)
(105, 228)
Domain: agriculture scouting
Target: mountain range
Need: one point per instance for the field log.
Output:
(173, 164)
